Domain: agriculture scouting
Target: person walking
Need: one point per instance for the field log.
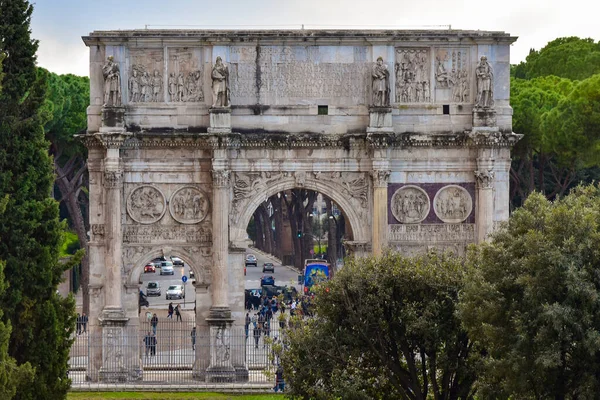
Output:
(84, 321)
(178, 313)
(78, 324)
(257, 330)
(153, 345)
(247, 324)
(170, 314)
(279, 381)
(193, 335)
(148, 343)
(154, 323)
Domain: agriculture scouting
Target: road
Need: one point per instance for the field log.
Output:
(283, 276)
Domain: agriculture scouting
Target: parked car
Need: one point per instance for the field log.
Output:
(167, 270)
(153, 289)
(175, 292)
(267, 280)
(178, 262)
(251, 260)
(149, 268)
(268, 267)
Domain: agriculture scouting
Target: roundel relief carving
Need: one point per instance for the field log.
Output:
(452, 204)
(410, 204)
(188, 205)
(146, 204)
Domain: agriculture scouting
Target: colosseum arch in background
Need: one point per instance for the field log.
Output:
(409, 132)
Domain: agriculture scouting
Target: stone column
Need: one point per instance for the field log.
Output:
(380, 202)
(484, 219)
(220, 321)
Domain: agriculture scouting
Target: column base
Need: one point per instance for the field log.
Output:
(484, 118)
(380, 120)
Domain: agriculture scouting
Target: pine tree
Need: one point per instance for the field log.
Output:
(30, 229)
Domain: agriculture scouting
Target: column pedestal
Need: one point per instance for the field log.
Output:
(220, 120)
(484, 119)
(380, 120)
(221, 367)
(113, 120)
(121, 360)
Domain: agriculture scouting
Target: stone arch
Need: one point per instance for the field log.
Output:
(202, 272)
(357, 219)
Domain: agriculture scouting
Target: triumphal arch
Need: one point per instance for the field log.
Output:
(409, 132)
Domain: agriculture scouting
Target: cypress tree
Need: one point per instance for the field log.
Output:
(30, 230)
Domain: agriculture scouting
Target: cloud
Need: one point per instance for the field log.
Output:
(63, 57)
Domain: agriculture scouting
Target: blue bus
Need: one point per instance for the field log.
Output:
(315, 272)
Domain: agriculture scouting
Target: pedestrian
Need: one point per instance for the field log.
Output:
(268, 314)
(78, 324)
(261, 321)
(267, 328)
(281, 320)
(154, 323)
(254, 320)
(84, 321)
(153, 345)
(257, 331)
(148, 343)
(279, 382)
(247, 324)
(193, 335)
(178, 313)
(170, 314)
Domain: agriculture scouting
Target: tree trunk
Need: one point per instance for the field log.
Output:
(290, 203)
(70, 192)
(259, 233)
(266, 228)
(278, 218)
(332, 237)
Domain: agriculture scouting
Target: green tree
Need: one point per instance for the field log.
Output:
(532, 300)
(384, 328)
(567, 57)
(30, 231)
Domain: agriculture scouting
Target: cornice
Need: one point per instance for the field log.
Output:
(206, 141)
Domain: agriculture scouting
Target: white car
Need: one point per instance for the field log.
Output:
(167, 270)
(177, 261)
(175, 292)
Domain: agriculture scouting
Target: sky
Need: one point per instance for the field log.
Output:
(59, 24)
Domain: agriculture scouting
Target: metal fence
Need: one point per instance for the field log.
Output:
(174, 354)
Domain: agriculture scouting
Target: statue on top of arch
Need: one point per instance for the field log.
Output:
(220, 84)
(381, 84)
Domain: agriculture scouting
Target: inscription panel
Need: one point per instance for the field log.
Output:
(287, 74)
(166, 234)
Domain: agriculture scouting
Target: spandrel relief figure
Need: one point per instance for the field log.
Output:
(112, 83)
(220, 84)
(157, 83)
(485, 84)
(381, 87)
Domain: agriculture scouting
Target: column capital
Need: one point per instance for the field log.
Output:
(221, 178)
(484, 179)
(380, 178)
(113, 178)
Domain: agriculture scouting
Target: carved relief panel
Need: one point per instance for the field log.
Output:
(410, 204)
(146, 204)
(145, 83)
(412, 70)
(452, 204)
(188, 205)
(453, 80)
(185, 82)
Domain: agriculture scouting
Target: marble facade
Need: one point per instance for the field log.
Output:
(409, 158)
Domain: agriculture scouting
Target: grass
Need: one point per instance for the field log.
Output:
(171, 396)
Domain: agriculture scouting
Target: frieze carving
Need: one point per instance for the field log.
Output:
(188, 205)
(146, 204)
(452, 204)
(410, 204)
(186, 78)
(221, 178)
(380, 178)
(428, 233)
(97, 231)
(485, 179)
(113, 178)
(412, 75)
(162, 233)
(145, 86)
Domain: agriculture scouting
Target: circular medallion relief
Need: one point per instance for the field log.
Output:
(452, 204)
(146, 204)
(410, 204)
(188, 205)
